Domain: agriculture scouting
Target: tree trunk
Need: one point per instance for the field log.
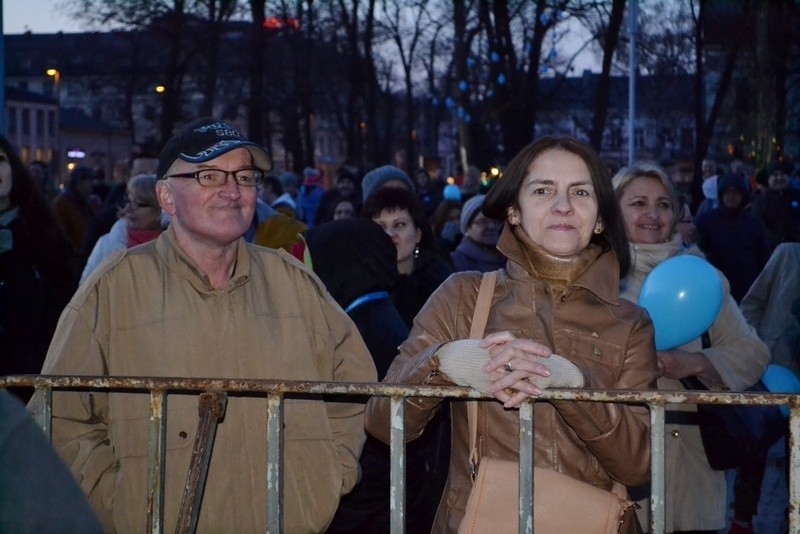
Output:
(604, 81)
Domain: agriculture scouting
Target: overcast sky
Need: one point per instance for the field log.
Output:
(38, 16)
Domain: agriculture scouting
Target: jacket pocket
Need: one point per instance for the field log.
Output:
(600, 359)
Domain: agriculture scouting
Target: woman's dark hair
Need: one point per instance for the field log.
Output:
(41, 236)
(399, 198)
(505, 192)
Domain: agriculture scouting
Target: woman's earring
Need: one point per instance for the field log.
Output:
(598, 228)
(416, 251)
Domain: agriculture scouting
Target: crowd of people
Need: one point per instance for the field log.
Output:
(203, 262)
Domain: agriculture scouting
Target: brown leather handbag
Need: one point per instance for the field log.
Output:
(561, 504)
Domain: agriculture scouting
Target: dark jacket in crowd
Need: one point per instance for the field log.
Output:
(355, 259)
(412, 290)
(733, 239)
(780, 212)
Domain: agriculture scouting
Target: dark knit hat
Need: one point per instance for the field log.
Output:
(784, 166)
(377, 177)
(469, 211)
(205, 139)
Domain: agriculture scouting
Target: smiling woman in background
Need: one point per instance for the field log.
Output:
(140, 222)
(733, 360)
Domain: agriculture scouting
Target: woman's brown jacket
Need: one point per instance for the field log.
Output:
(609, 339)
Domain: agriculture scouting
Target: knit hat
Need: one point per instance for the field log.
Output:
(375, 178)
(784, 166)
(470, 210)
(205, 139)
(288, 178)
(451, 192)
(311, 176)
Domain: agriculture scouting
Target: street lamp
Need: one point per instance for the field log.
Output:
(57, 79)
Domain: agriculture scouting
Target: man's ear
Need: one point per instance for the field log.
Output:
(164, 195)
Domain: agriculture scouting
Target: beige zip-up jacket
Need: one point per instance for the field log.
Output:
(149, 311)
(609, 339)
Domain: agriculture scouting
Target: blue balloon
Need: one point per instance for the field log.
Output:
(683, 296)
(780, 379)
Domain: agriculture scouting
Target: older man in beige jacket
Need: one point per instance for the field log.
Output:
(200, 302)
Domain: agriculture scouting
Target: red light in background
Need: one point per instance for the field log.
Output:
(279, 23)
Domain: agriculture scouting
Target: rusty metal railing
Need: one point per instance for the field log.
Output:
(275, 391)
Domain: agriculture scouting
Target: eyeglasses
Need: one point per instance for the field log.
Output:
(249, 177)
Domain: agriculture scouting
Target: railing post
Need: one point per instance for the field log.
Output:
(794, 467)
(397, 447)
(156, 447)
(657, 470)
(275, 463)
(42, 409)
(526, 481)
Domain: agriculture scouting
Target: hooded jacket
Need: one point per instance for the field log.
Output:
(609, 339)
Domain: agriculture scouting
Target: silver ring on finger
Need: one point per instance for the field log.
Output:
(508, 368)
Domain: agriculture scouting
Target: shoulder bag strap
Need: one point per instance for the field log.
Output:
(479, 318)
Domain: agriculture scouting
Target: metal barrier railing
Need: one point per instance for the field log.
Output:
(275, 391)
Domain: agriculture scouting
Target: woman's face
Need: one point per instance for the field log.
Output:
(344, 210)
(557, 203)
(484, 230)
(647, 210)
(399, 225)
(142, 216)
(5, 177)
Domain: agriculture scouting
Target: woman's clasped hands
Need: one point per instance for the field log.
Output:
(514, 366)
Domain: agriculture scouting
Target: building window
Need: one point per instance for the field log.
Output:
(26, 121)
(40, 122)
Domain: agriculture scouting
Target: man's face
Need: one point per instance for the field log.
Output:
(778, 180)
(215, 216)
(731, 197)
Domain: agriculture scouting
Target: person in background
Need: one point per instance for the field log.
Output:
(287, 203)
(710, 175)
(201, 302)
(71, 207)
(37, 491)
(771, 307)
(685, 225)
(732, 358)
(385, 176)
(566, 247)
(41, 176)
(429, 191)
(733, 239)
(779, 206)
(422, 269)
(270, 227)
(345, 188)
(356, 260)
(310, 195)
(140, 222)
(101, 223)
(444, 220)
(37, 270)
(477, 251)
(472, 183)
(344, 209)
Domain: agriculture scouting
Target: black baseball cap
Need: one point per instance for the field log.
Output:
(205, 139)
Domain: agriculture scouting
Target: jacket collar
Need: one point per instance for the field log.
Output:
(601, 277)
(181, 264)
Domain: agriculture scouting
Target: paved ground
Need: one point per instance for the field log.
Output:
(774, 494)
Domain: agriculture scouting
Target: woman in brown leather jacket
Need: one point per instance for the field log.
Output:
(556, 302)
